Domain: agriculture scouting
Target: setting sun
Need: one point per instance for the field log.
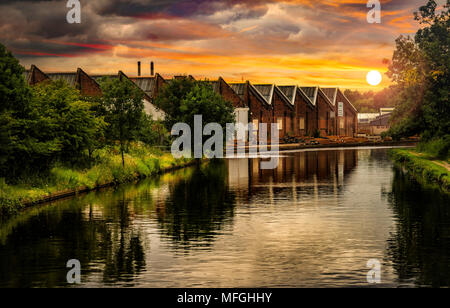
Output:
(374, 78)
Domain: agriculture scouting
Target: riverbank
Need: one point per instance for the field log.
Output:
(61, 182)
(326, 143)
(424, 168)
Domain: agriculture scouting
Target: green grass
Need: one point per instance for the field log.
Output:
(140, 162)
(423, 167)
(436, 148)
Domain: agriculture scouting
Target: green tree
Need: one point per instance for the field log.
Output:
(420, 71)
(184, 98)
(123, 108)
(14, 103)
(56, 125)
(153, 132)
(14, 92)
(66, 119)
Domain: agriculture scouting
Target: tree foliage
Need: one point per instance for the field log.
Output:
(123, 108)
(14, 98)
(420, 70)
(184, 98)
(55, 125)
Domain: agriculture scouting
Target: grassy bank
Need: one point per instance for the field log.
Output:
(426, 168)
(105, 169)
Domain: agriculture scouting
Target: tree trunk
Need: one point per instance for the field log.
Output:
(123, 158)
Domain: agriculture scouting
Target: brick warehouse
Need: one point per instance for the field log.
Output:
(298, 111)
(282, 109)
(346, 114)
(304, 123)
(260, 110)
(324, 110)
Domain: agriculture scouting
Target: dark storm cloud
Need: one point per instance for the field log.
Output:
(180, 8)
(26, 23)
(29, 27)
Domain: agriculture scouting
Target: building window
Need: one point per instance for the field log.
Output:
(302, 123)
(255, 125)
(280, 124)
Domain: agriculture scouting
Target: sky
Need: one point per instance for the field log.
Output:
(304, 42)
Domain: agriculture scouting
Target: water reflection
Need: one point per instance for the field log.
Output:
(197, 207)
(314, 221)
(298, 174)
(420, 247)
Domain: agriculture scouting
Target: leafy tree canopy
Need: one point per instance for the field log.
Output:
(184, 98)
(420, 71)
(123, 108)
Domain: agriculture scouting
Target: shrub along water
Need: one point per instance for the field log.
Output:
(425, 168)
(142, 161)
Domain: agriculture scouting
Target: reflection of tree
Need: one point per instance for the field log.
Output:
(124, 262)
(38, 250)
(35, 251)
(420, 249)
(124, 251)
(198, 206)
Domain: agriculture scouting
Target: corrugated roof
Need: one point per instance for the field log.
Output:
(266, 90)
(69, 78)
(214, 83)
(331, 93)
(290, 92)
(147, 84)
(367, 117)
(311, 93)
(98, 77)
(381, 120)
(239, 89)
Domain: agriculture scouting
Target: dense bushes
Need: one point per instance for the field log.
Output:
(439, 148)
(55, 126)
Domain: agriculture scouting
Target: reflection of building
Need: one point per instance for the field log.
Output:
(238, 172)
(303, 171)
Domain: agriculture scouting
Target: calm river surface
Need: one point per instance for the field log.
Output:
(314, 221)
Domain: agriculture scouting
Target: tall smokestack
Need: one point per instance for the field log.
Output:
(139, 68)
(152, 68)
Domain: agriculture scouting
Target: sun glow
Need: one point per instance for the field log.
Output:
(374, 78)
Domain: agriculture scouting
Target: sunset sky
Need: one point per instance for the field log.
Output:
(306, 42)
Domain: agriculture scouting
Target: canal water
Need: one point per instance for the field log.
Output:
(315, 221)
